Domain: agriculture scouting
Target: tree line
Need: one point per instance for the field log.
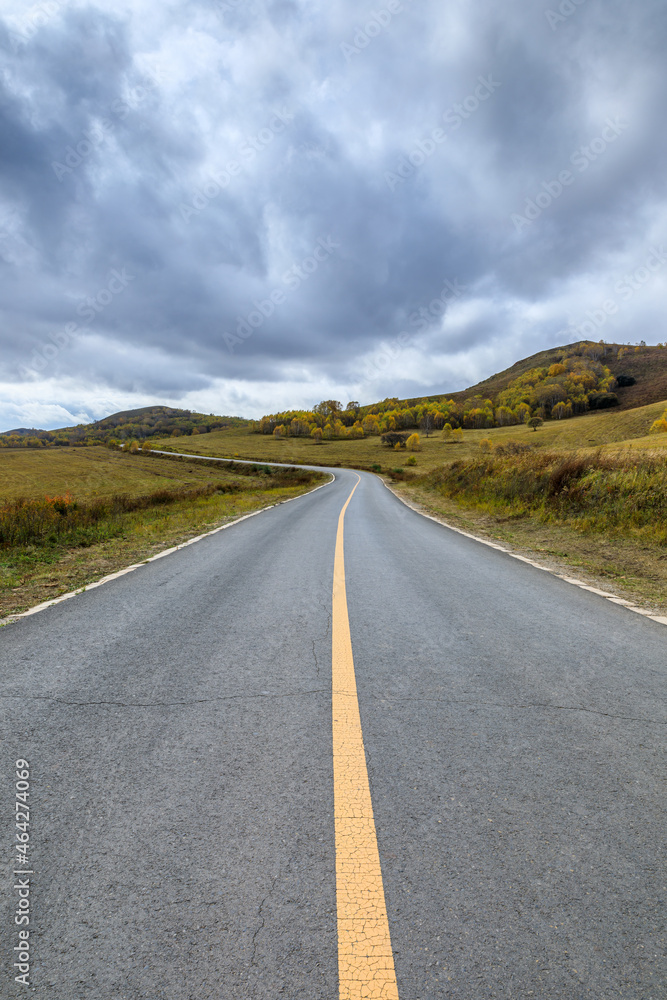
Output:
(575, 383)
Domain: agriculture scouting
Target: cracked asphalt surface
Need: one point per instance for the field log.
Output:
(178, 725)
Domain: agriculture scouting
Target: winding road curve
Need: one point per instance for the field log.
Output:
(178, 725)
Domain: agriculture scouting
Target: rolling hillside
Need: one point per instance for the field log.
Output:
(145, 422)
(648, 367)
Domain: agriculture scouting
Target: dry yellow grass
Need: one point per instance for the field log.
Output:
(91, 472)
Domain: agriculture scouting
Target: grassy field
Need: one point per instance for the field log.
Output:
(92, 472)
(65, 546)
(607, 428)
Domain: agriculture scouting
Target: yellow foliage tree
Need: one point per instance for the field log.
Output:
(413, 443)
(659, 426)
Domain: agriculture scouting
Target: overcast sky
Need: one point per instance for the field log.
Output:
(243, 206)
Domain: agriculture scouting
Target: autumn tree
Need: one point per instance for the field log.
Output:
(328, 408)
(426, 423)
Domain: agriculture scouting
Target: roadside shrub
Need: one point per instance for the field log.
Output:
(570, 468)
(594, 491)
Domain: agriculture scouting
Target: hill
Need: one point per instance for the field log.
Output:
(556, 384)
(127, 425)
(646, 365)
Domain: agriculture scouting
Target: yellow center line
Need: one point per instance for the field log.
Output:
(365, 959)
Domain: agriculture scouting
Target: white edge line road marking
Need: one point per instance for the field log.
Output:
(160, 555)
(613, 598)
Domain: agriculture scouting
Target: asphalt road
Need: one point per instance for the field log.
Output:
(177, 722)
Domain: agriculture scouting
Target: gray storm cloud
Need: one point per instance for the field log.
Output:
(240, 204)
